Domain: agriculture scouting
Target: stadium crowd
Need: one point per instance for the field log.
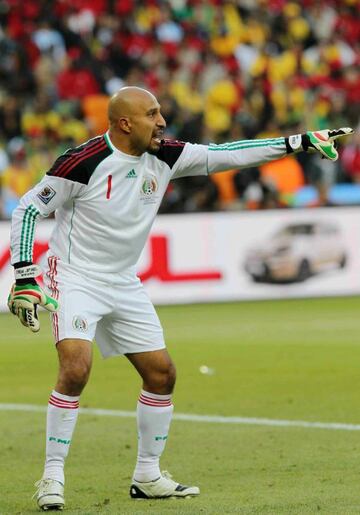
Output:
(222, 70)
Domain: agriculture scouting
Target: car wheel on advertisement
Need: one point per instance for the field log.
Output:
(343, 261)
(263, 277)
(304, 271)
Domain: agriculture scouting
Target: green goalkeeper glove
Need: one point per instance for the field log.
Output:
(325, 141)
(25, 297)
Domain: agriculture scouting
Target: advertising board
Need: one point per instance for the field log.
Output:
(210, 257)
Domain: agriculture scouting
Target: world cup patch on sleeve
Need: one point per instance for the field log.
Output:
(46, 194)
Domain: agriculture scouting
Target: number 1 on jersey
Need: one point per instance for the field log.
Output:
(108, 186)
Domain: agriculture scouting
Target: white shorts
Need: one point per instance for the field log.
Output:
(120, 318)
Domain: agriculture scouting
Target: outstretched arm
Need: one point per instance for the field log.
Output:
(245, 153)
(206, 159)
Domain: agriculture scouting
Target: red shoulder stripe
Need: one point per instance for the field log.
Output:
(66, 169)
(173, 143)
(90, 146)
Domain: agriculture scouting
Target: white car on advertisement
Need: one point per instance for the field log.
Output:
(296, 252)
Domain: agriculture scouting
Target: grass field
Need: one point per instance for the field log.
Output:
(294, 360)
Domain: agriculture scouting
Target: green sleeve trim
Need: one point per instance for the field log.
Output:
(244, 144)
(27, 233)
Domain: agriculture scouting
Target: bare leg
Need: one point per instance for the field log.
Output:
(75, 359)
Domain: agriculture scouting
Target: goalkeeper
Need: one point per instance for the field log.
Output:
(105, 195)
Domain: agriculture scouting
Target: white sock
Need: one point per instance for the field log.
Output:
(62, 414)
(154, 414)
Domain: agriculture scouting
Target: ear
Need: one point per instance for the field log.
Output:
(124, 124)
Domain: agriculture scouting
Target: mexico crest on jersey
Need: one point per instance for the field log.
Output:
(148, 189)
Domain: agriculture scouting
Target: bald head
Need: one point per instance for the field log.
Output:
(136, 123)
(127, 101)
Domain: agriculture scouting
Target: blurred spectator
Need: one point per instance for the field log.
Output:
(167, 30)
(76, 80)
(255, 192)
(49, 41)
(40, 118)
(15, 74)
(286, 176)
(94, 108)
(227, 194)
(10, 119)
(322, 174)
(16, 178)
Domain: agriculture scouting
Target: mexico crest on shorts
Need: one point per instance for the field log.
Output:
(148, 189)
(80, 324)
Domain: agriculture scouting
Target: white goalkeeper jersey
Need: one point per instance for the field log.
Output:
(105, 201)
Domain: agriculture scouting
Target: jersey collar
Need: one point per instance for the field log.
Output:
(128, 157)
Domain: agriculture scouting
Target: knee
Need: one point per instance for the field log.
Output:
(73, 377)
(161, 381)
(170, 378)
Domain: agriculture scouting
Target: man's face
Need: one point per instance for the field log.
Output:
(147, 126)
